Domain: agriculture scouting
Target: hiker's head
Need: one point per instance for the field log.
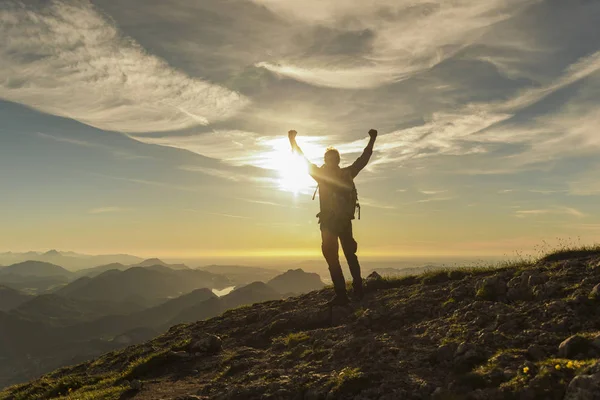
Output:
(332, 157)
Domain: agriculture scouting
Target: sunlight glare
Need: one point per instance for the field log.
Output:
(292, 169)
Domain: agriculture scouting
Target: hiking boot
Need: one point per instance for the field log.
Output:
(339, 300)
(358, 291)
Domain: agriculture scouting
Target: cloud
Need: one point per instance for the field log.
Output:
(104, 210)
(343, 78)
(116, 152)
(67, 59)
(240, 148)
(557, 211)
(410, 37)
(432, 192)
(435, 199)
(229, 215)
(219, 173)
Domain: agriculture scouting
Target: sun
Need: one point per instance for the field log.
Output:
(291, 168)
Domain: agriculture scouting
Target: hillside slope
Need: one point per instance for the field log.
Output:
(35, 268)
(157, 282)
(505, 333)
(11, 298)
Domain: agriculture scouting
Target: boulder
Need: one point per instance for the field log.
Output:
(574, 346)
(205, 344)
(584, 387)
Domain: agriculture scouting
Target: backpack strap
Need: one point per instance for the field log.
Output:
(315, 193)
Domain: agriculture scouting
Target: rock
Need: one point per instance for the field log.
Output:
(207, 344)
(467, 356)
(584, 387)
(179, 354)
(536, 353)
(536, 279)
(492, 288)
(547, 290)
(366, 318)
(461, 292)
(374, 281)
(135, 385)
(574, 346)
(191, 397)
(445, 353)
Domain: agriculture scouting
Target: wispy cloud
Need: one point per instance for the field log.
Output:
(432, 192)
(409, 37)
(229, 215)
(557, 211)
(104, 210)
(219, 173)
(119, 153)
(435, 199)
(65, 58)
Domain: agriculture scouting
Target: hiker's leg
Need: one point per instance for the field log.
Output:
(330, 248)
(350, 247)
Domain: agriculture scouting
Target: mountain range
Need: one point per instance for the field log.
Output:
(112, 307)
(68, 259)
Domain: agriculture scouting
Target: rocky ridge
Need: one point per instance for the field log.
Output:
(523, 331)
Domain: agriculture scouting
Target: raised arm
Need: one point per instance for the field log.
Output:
(312, 168)
(363, 160)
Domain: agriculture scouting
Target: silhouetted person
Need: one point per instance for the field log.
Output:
(338, 202)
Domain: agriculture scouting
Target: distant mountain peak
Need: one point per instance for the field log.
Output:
(52, 253)
(151, 262)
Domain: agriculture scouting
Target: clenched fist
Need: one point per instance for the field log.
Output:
(292, 134)
(373, 133)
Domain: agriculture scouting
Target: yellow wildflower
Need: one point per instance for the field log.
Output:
(557, 367)
(526, 370)
(570, 365)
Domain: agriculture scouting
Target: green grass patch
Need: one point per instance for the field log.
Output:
(181, 345)
(347, 379)
(293, 339)
(448, 302)
(67, 387)
(143, 365)
(571, 252)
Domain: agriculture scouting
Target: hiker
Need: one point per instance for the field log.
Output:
(338, 202)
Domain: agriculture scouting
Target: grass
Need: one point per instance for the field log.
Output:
(109, 393)
(143, 365)
(294, 339)
(572, 252)
(69, 387)
(347, 378)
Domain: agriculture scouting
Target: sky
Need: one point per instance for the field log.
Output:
(159, 128)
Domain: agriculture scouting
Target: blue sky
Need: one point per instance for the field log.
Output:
(158, 127)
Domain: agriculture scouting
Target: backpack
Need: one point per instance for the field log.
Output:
(345, 200)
